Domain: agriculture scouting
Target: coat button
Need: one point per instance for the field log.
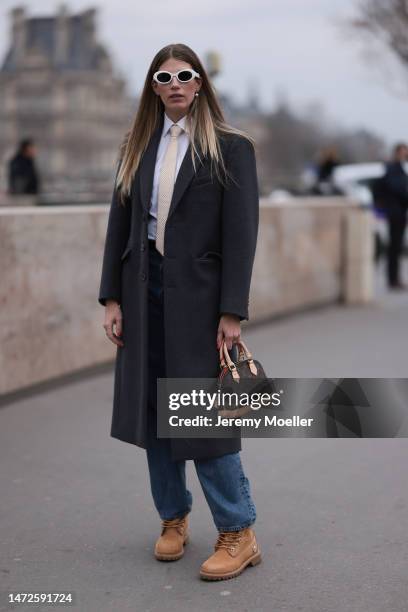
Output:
(143, 246)
(143, 276)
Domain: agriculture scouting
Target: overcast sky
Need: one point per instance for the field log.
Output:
(294, 48)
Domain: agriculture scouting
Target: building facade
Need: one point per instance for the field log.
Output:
(58, 86)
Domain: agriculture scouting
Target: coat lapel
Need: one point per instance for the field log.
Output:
(147, 166)
(184, 177)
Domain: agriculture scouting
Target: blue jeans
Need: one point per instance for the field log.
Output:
(225, 486)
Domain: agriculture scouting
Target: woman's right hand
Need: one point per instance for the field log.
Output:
(113, 319)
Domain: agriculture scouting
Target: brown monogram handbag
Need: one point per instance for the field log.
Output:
(247, 371)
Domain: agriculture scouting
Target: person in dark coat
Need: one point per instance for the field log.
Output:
(176, 274)
(22, 172)
(328, 162)
(395, 190)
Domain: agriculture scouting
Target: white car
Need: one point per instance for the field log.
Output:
(356, 180)
(280, 196)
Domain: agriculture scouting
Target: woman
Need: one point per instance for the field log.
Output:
(172, 296)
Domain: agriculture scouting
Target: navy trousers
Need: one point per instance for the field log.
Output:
(396, 229)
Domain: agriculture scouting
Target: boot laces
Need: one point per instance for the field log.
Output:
(229, 540)
(178, 523)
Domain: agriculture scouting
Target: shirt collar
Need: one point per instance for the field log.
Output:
(169, 122)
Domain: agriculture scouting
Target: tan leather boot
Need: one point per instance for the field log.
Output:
(234, 550)
(170, 544)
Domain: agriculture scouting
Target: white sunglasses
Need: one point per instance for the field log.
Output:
(183, 76)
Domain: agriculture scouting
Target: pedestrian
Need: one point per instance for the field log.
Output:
(328, 162)
(23, 176)
(175, 283)
(395, 193)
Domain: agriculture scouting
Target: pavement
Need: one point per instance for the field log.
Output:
(77, 515)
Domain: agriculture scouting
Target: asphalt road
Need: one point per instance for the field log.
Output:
(77, 515)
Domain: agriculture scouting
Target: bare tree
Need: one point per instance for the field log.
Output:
(385, 21)
(292, 141)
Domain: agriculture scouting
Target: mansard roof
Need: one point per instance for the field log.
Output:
(83, 52)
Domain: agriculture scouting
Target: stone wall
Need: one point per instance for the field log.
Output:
(51, 322)
(311, 251)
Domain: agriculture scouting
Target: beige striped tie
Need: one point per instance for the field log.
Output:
(166, 185)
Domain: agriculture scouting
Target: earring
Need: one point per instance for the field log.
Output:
(196, 94)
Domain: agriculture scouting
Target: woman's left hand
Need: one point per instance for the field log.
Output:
(229, 329)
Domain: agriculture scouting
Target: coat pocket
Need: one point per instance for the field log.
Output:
(202, 179)
(201, 185)
(210, 256)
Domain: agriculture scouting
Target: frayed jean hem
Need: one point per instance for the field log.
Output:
(178, 515)
(236, 527)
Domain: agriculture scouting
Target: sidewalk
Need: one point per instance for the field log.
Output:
(332, 514)
(354, 341)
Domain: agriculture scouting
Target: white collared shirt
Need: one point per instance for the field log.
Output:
(183, 141)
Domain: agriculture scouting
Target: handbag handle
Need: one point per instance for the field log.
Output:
(245, 352)
(225, 359)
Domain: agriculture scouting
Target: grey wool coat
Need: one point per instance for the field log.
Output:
(209, 248)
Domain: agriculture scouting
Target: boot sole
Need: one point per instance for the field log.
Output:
(254, 560)
(171, 557)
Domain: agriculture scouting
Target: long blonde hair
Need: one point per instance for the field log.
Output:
(204, 119)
